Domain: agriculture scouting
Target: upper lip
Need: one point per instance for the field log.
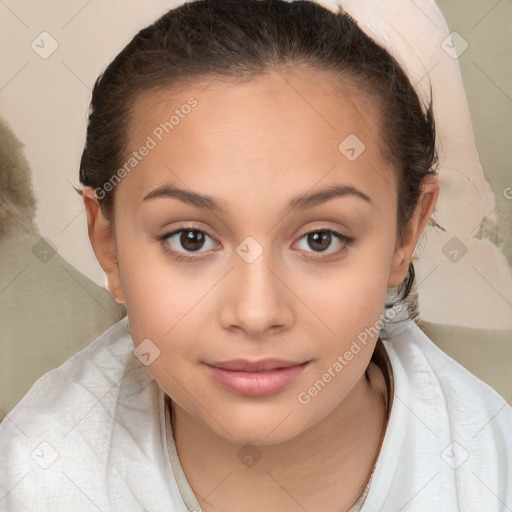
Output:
(254, 366)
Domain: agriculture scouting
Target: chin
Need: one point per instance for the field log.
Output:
(259, 426)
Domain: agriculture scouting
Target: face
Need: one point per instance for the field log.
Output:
(257, 228)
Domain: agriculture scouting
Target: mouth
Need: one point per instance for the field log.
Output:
(255, 378)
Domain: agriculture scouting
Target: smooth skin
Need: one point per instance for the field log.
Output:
(253, 146)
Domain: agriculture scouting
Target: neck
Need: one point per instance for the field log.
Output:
(325, 467)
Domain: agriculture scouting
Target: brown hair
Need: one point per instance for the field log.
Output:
(241, 38)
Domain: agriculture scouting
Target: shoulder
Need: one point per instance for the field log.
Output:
(448, 424)
(430, 370)
(60, 432)
(83, 376)
(441, 383)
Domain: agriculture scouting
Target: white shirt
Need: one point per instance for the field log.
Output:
(91, 435)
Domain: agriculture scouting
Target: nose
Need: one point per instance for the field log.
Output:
(256, 300)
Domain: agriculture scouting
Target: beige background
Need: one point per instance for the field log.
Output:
(486, 69)
(45, 101)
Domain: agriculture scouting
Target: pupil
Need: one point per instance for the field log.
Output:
(320, 238)
(192, 240)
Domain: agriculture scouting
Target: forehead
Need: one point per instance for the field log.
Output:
(281, 127)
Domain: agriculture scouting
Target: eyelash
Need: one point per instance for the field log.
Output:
(347, 241)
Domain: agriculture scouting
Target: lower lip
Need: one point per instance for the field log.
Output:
(256, 383)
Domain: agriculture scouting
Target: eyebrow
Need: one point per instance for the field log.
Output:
(302, 202)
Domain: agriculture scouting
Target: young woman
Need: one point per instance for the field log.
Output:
(256, 177)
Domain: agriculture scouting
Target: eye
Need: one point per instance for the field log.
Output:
(190, 239)
(321, 239)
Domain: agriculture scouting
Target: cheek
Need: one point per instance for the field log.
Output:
(154, 298)
(352, 305)
(352, 297)
(161, 309)
(157, 304)
(167, 304)
(161, 295)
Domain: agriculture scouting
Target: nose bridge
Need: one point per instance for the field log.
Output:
(257, 300)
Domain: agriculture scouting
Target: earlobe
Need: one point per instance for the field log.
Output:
(102, 242)
(412, 231)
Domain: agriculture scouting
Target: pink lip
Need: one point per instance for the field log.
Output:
(257, 378)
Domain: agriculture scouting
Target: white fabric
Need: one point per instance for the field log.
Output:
(91, 435)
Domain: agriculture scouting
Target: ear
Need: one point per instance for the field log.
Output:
(103, 244)
(412, 231)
